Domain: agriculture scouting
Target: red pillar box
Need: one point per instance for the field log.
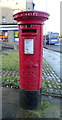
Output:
(30, 25)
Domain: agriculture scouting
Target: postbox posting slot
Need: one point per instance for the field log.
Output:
(28, 46)
(29, 30)
(29, 25)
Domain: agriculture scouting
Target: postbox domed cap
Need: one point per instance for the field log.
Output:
(31, 17)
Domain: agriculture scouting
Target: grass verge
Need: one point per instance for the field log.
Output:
(10, 60)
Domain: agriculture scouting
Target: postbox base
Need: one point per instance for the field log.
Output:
(30, 99)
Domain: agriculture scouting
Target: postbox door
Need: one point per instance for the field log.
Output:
(30, 50)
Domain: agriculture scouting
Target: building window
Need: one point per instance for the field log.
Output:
(16, 36)
(3, 19)
(4, 36)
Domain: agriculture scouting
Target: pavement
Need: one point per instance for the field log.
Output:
(50, 106)
(10, 97)
(53, 55)
(53, 58)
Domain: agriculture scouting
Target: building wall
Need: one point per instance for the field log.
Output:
(7, 8)
(0, 15)
(8, 14)
(29, 4)
(14, 4)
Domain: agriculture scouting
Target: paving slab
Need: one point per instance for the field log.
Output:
(10, 101)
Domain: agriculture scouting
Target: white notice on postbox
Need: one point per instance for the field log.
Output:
(28, 46)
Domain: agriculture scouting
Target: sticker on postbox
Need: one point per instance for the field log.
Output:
(29, 46)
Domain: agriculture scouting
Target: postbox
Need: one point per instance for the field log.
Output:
(30, 24)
